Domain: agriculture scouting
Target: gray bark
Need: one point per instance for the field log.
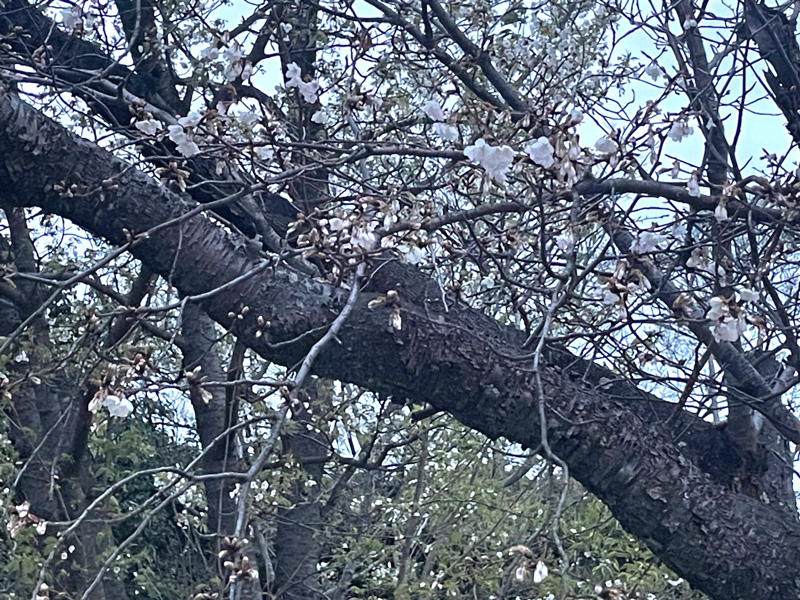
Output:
(213, 416)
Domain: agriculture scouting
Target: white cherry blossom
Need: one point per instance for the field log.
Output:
(148, 126)
(248, 118)
(321, 117)
(188, 148)
(363, 238)
(693, 187)
(540, 572)
(433, 110)
(191, 120)
(209, 53)
(541, 152)
(605, 145)
(652, 71)
(724, 325)
(96, 403)
(646, 242)
(308, 90)
(611, 298)
(176, 133)
(679, 130)
(448, 133)
(233, 52)
(748, 295)
(183, 140)
(292, 72)
(698, 259)
(728, 329)
(413, 255)
(718, 308)
(337, 224)
(118, 406)
(496, 160)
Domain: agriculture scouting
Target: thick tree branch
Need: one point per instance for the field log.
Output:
(774, 35)
(110, 88)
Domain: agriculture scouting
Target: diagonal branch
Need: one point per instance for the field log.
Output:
(480, 57)
(774, 35)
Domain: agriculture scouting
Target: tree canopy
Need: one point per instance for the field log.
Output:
(399, 299)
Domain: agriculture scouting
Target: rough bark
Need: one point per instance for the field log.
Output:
(727, 544)
(49, 425)
(213, 414)
(298, 527)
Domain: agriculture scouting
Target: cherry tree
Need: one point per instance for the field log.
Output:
(559, 223)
